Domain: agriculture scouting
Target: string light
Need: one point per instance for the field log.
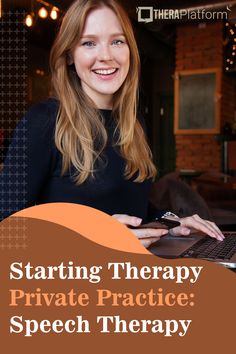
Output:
(230, 47)
(54, 13)
(40, 72)
(43, 13)
(29, 20)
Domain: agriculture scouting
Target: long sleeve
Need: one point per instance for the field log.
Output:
(32, 171)
(29, 159)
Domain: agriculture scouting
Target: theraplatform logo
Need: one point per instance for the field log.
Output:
(149, 14)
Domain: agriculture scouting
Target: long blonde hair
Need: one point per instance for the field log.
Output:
(79, 124)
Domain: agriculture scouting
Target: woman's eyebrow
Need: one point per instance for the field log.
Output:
(87, 35)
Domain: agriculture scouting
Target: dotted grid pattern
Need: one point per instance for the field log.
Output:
(13, 234)
(13, 104)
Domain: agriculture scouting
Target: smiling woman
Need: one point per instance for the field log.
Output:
(97, 36)
(101, 57)
(86, 144)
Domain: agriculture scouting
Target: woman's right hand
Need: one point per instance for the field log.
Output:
(146, 236)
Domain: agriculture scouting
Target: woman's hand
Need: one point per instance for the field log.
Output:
(195, 223)
(146, 236)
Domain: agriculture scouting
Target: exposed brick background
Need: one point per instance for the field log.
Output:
(228, 101)
(199, 152)
(201, 47)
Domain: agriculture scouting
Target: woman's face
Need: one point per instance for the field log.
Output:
(101, 56)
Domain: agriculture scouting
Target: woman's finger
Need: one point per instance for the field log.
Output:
(197, 223)
(146, 242)
(147, 233)
(212, 226)
(180, 231)
(127, 219)
(215, 227)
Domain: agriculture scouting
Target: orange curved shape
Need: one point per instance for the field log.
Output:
(91, 223)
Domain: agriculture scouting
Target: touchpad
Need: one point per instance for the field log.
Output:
(173, 246)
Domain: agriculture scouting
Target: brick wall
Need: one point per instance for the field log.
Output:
(228, 102)
(201, 47)
(199, 152)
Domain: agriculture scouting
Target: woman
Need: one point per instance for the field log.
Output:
(87, 146)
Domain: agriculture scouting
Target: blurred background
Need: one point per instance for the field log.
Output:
(187, 90)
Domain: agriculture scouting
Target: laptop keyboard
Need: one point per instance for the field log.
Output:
(213, 249)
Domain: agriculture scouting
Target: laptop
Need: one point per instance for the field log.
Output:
(198, 245)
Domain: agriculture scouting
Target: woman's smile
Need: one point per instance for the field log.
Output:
(105, 71)
(105, 74)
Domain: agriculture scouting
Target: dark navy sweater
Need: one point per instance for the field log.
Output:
(32, 171)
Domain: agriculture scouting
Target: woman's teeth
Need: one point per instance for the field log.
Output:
(105, 72)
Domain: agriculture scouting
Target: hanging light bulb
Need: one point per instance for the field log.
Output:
(43, 12)
(54, 13)
(29, 20)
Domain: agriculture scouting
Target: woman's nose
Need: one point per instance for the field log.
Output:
(105, 53)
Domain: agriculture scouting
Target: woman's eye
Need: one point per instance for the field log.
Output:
(88, 44)
(117, 42)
